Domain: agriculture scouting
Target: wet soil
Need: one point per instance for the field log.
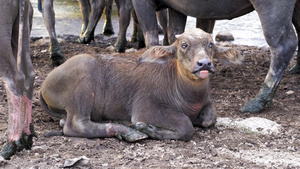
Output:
(216, 147)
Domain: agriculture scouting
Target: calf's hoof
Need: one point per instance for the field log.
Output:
(130, 135)
(295, 69)
(148, 129)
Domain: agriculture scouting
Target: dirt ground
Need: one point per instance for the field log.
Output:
(216, 147)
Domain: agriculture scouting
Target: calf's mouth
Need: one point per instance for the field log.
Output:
(204, 72)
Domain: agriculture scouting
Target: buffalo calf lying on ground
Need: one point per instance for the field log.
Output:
(163, 94)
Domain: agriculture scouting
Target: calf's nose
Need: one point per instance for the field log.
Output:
(204, 64)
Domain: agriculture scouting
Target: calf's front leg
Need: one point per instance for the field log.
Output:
(207, 117)
(163, 123)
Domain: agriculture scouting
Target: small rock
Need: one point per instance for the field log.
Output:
(252, 124)
(131, 50)
(224, 36)
(111, 48)
(83, 160)
(214, 152)
(290, 92)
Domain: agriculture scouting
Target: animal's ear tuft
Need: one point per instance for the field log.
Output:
(228, 56)
(158, 54)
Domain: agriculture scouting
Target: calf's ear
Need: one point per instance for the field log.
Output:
(158, 54)
(228, 56)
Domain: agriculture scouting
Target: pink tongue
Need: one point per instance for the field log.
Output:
(204, 74)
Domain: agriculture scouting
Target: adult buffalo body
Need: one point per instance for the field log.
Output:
(277, 18)
(17, 73)
(163, 94)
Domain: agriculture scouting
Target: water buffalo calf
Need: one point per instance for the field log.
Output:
(163, 94)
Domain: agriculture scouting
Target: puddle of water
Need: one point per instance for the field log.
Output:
(246, 29)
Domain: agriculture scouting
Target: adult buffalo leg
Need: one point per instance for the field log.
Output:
(97, 7)
(296, 22)
(56, 54)
(137, 33)
(177, 23)
(108, 27)
(279, 33)
(18, 76)
(206, 25)
(85, 9)
(124, 11)
(149, 27)
(163, 21)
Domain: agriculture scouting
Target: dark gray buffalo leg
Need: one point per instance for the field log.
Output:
(18, 75)
(124, 10)
(85, 9)
(97, 7)
(296, 22)
(108, 27)
(206, 25)
(177, 23)
(279, 33)
(56, 54)
(163, 21)
(150, 26)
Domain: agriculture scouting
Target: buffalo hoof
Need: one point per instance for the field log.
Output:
(108, 32)
(257, 104)
(9, 150)
(133, 38)
(57, 58)
(141, 44)
(85, 39)
(25, 142)
(150, 130)
(295, 69)
(131, 135)
(120, 46)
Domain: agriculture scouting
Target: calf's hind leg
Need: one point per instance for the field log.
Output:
(79, 124)
(82, 126)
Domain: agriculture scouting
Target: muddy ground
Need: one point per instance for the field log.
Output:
(217, 147)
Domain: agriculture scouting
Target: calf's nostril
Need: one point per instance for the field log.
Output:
(204, 62)
(199, 64)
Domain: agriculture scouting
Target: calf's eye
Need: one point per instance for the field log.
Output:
(211, 45)
(184, 45)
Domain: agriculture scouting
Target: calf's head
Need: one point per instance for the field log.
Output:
(194, 51)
